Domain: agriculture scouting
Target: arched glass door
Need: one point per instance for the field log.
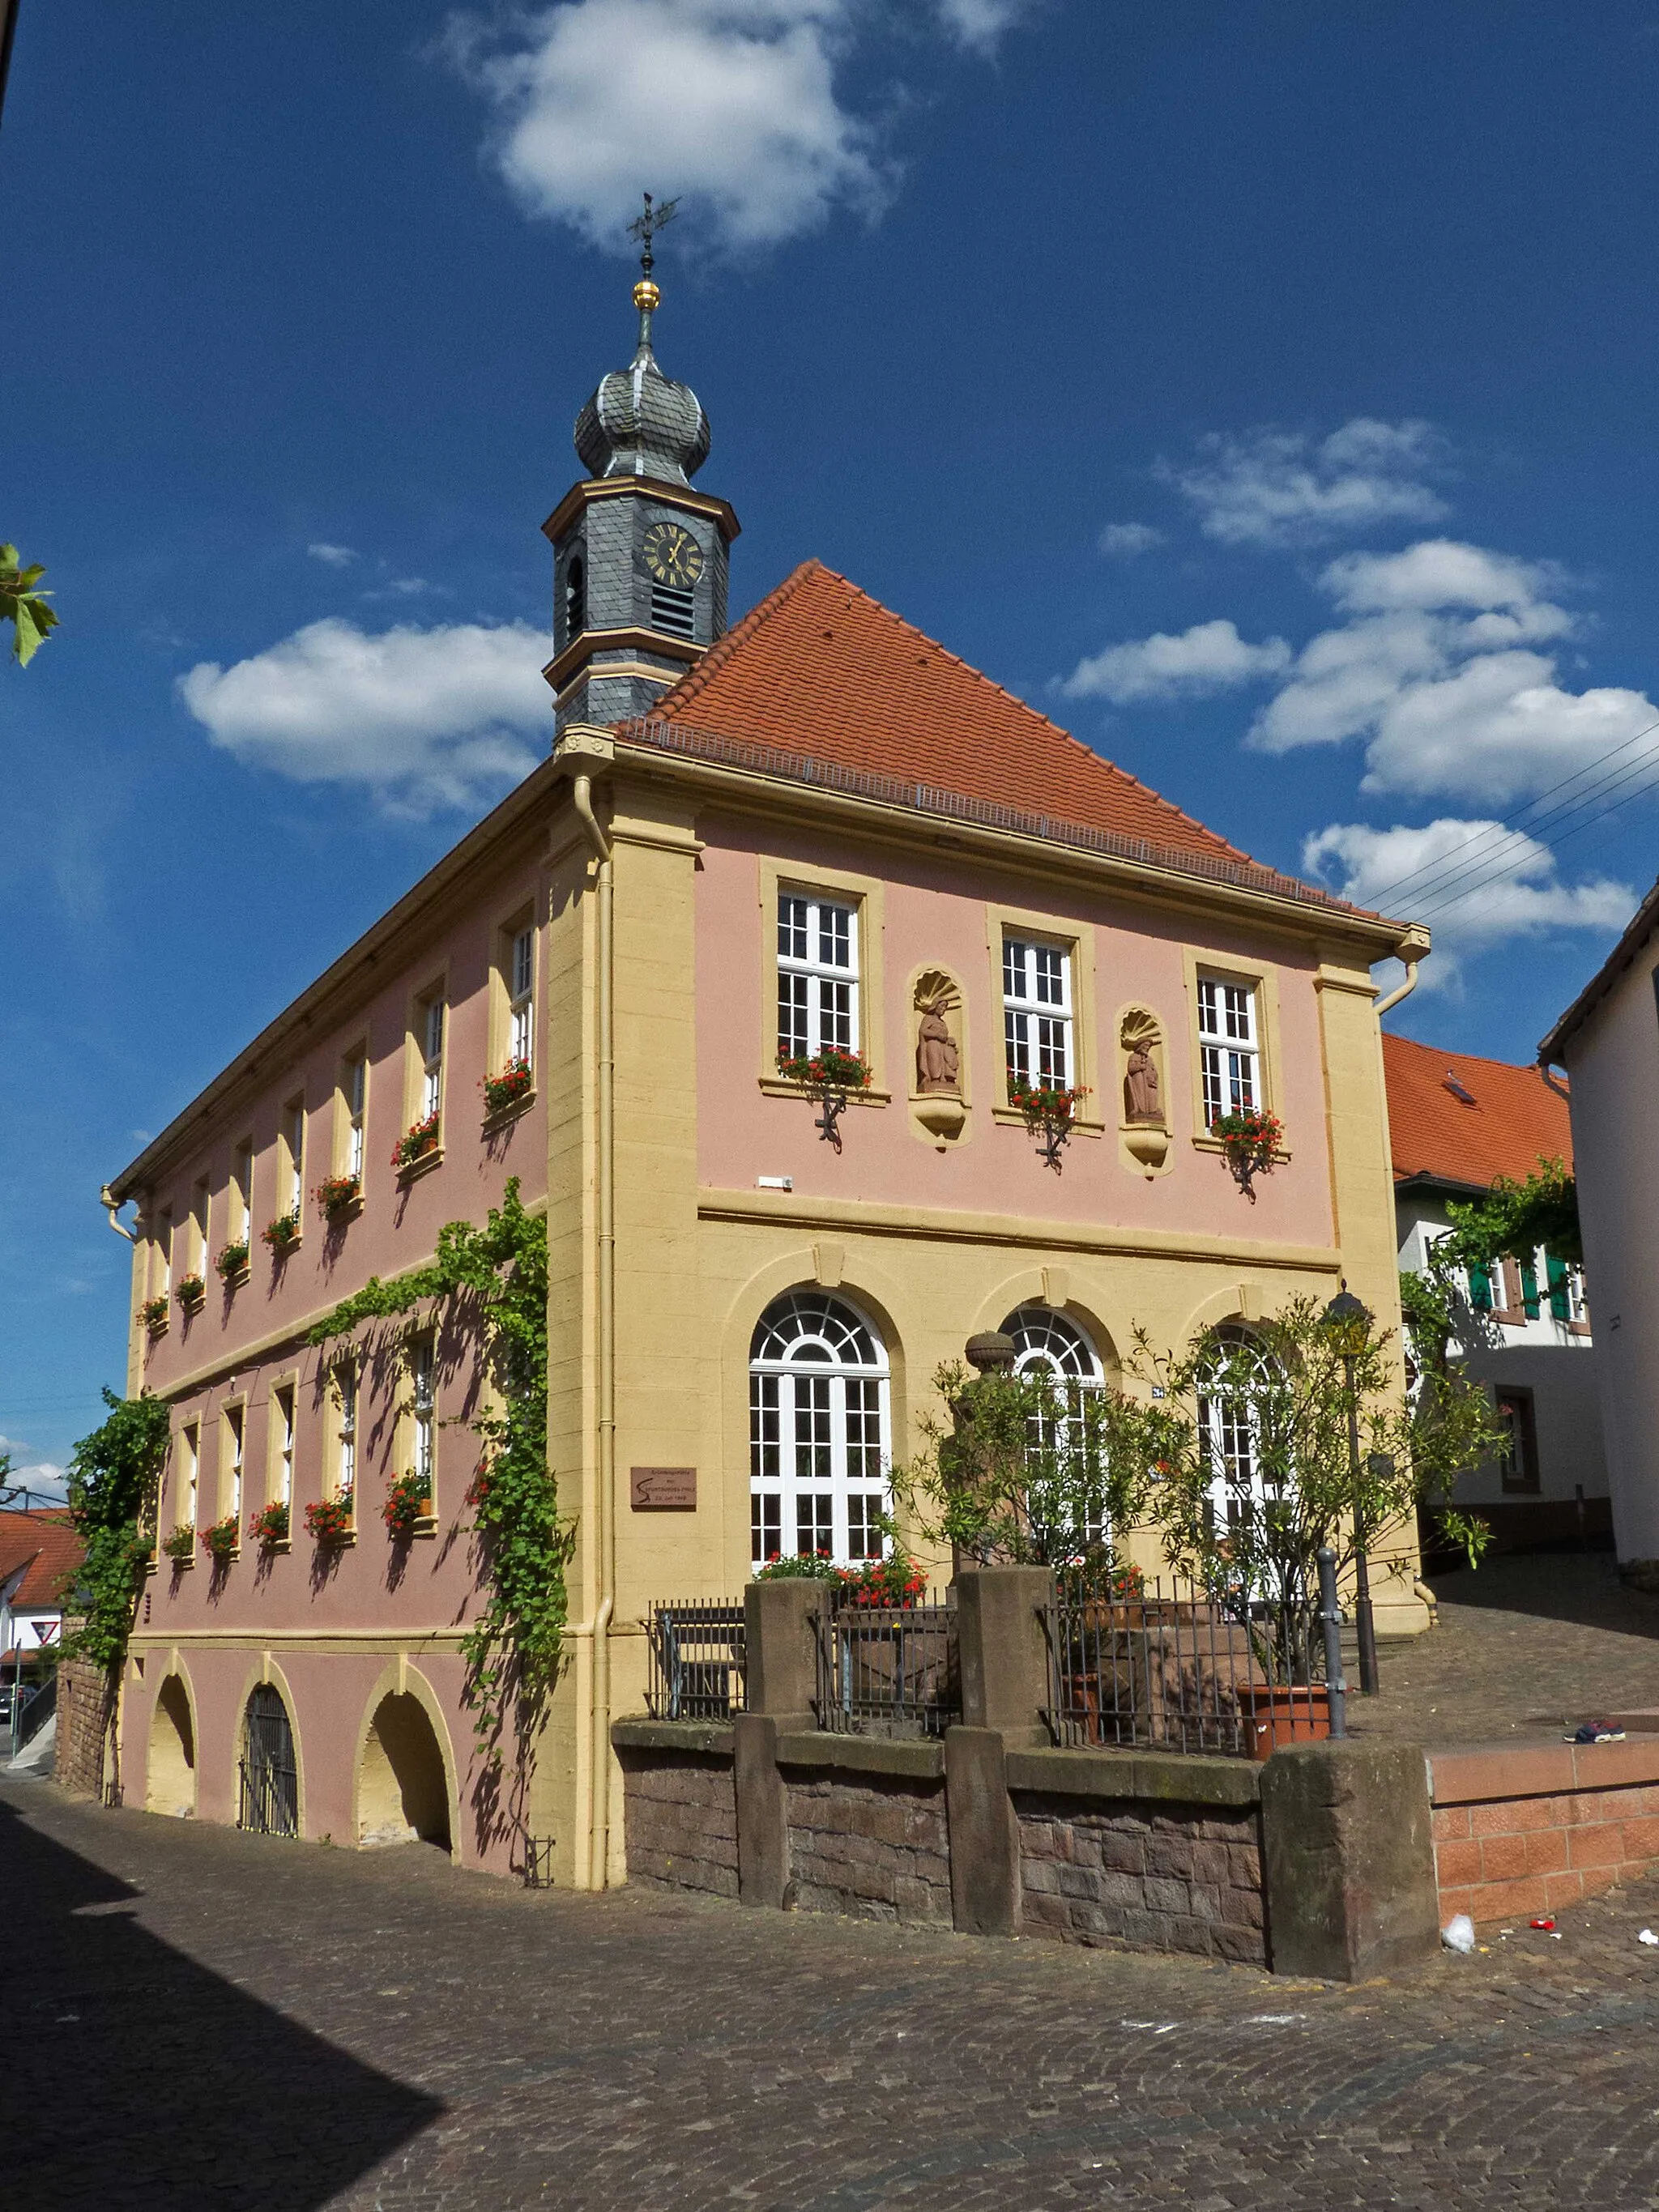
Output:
(270, 1793)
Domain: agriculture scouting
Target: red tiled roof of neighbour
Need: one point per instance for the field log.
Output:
(822, 670)
(48, 1543)
(1508, 1119)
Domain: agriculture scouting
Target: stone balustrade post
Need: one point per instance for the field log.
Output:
(1003, 1653)
(780, 1676)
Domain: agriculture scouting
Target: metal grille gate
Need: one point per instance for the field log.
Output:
(270, 1792)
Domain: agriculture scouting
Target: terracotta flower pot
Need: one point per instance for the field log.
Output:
(1282, 1716)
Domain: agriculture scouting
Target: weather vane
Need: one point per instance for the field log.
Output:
(646, 227)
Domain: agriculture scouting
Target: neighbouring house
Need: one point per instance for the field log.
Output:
(1456, 1123)
(38, 1549)
(1608, 1042)
(817, 830)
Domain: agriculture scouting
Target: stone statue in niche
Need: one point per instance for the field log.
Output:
(939, 1063)
(1142, 1103)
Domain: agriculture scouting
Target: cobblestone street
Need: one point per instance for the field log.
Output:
(206, 2018)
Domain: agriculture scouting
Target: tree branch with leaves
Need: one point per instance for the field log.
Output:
(24, 605)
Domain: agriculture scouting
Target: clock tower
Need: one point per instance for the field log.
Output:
(639, 557)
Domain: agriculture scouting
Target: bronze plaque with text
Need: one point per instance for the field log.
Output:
(663, 1489)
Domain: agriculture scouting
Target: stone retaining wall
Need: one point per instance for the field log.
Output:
(1521, 1832)
(83, 1719)
(877, 1848)
(1163, 1878)
(680, 1813)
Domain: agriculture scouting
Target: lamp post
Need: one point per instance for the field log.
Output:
(1347, 1314)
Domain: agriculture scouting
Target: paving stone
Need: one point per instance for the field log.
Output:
(204, 2019)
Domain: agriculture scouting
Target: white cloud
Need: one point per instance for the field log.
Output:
(1511, 888)
(333, 556)
(732, 102)
(41, 1476)
(1437, 672)
(1275, 487)
(426, 718)
(1207, 658)
(1124, 540)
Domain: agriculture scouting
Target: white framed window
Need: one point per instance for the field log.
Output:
(355, 1089)
(345, 1438)
(817, 976)
(521, 997)
(1046, 1341)
(292, 1146)
(423, 1413)
(1229, 1049)
(235, 1425)
(1229, 1428)
(818, 1437)
(432, 1056)
(282, 1402)
(190, 1472)
(201, 1203)
(243, 1229)
(1037, 1012)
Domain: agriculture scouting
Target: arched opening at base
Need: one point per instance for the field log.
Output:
(170, 1781)
(402, 1794)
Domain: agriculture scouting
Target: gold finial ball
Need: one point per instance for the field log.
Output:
(646, 295)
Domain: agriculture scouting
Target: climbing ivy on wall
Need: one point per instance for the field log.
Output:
(496, 1276)
(113, 1482)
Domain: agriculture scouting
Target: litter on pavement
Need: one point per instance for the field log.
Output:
(1595, 1732)
(1546, 1925)
(1648, 1937)
(1458, 1934)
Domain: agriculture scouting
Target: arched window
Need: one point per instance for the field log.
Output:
(818, 1441)
(575, 598)
(1046, 1342)
(1228, 1425)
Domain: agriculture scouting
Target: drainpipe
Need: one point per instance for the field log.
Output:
(113, 1206)
(598, 1839)
(1412, 950)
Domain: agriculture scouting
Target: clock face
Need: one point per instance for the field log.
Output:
(672, 555)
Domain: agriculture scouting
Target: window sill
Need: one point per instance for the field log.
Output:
(341, 1214)
(779, 1086)
(426, 1524)
(281, 1252)
(500, 1116)
(155, 1331)
(192, 1308)
(180, 1566)
(412, 1171)
(337, 1543)
(228, 1560)
(1082, 1124)
(235, 1282)
(281, 1544)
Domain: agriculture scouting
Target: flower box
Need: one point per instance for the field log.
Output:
(1250, 1143)
(283, 1234)
(223, 1540)
(269, 1528)
(408, 1503)
(181, 1546)
(1049, 1109)
(231, 1263)
(503, 1091)
(329, 1520)
(191, 1292)
(154, 1314)
(831, 1076)
(416, 1141)
(336, 1195)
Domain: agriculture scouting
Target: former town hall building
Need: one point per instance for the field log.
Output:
(814, 827)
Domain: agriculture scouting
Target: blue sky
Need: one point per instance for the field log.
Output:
(1264, 390)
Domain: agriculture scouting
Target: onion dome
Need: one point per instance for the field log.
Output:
(640, 422)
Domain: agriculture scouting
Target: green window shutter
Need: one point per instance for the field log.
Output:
(1530, 1288)
(1481, 1289)
(1561, 1304)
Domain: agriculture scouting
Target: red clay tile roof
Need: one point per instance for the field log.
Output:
(1515, 1120)
(47, 1542)
(822, 670)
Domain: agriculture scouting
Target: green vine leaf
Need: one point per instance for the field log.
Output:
(113, 1480)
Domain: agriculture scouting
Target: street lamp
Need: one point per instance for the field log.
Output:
(1349, 1319)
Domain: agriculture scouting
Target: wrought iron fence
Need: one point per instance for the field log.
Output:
(1230, 1674)
(888, 1669)
(696, 1661)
